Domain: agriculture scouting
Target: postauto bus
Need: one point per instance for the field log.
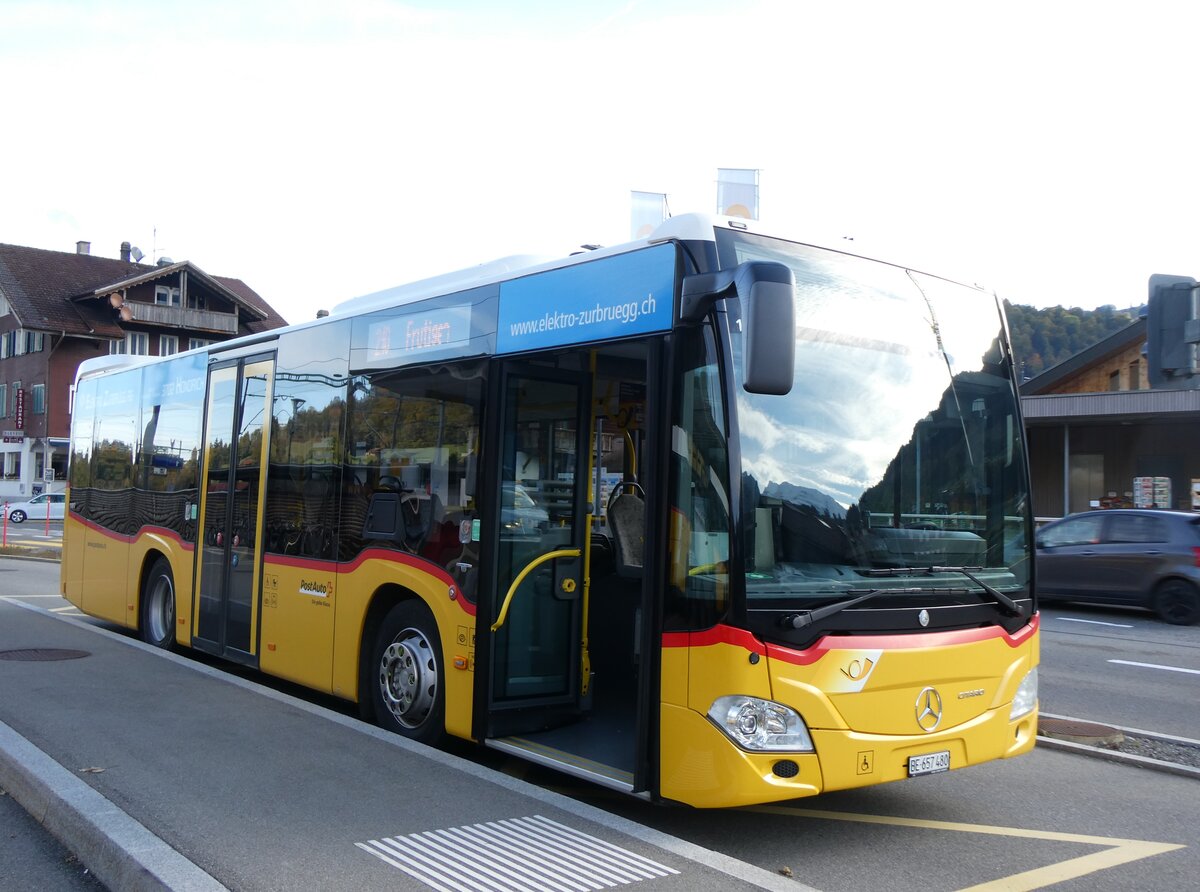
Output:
(712, 517)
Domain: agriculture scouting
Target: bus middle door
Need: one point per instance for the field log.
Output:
(229, 543)
(536, 647)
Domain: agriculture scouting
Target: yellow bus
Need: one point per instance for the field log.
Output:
(712, 517)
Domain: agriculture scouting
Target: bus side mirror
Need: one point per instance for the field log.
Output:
(767, 291)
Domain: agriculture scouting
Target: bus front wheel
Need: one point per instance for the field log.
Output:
(158, 606)
(406, 674)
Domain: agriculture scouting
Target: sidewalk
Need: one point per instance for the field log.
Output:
(163, 773)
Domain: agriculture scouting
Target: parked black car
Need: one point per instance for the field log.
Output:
(1146, 558)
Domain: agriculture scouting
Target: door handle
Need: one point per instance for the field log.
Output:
(529, 568)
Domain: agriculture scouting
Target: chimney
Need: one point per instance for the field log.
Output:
(126, 248)
(83, 247)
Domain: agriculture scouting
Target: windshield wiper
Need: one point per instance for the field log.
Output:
(808, 617)
(1011, 607)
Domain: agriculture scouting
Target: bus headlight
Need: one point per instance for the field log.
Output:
(761, 725)
(1026, 698)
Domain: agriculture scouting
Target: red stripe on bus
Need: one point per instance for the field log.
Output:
(305, 563)
(722, 634)
(129, 539)
(716, 635)
(901, 642)
(382, 554)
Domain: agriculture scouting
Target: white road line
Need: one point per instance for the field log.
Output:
(1156, 666)
(1093, 622)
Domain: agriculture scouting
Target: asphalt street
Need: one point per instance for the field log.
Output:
(230, 809)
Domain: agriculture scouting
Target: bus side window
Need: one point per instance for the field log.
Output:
(413, 443)
(305, 473)
(699, 530)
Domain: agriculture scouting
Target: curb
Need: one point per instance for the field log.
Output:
(118, 850)
(1091, 739)
(1115, 756)
(30, 557)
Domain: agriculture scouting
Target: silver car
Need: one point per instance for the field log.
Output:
(1145, 558)
(53, 503)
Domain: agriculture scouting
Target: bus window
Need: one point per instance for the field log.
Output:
(414, 436)
(113, 453)
(168, 454)
(307, 426)
(700, 518)
(80, 470)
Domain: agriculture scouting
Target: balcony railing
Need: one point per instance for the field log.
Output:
(178, 317)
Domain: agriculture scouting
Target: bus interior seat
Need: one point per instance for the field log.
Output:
(403, 518)
(418, 515)
(627, 520)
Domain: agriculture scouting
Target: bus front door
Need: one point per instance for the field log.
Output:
(229, 544)
(537, 676)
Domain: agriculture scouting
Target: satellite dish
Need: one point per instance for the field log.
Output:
(137, 255)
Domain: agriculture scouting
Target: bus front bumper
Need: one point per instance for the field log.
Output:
(703, 768)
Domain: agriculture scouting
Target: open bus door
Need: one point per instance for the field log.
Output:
(229, 543)
(536, 653)
(564, 688)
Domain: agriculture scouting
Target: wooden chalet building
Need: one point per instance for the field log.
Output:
(1095, 425)
(60, 308)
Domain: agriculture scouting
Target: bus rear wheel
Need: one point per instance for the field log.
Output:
(407, 680)
(158, 606)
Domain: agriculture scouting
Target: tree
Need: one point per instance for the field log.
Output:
(1042, 338)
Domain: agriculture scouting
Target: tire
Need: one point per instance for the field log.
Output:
(1177, 602)
(157, 619)
(17, 516)
(406, 675)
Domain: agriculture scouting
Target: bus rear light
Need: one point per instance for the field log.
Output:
(761, 725)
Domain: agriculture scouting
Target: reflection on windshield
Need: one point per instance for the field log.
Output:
(899, 443)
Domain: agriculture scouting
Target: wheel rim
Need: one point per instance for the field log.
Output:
(160, 613)
(1178, 602)
(408, 678)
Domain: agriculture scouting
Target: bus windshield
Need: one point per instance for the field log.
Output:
(897, 457)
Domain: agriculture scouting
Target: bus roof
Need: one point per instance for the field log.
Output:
(99, 365)
(685, 226)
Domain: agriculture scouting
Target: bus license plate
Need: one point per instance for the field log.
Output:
(930, 763)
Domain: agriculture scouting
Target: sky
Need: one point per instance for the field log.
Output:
(320, 151)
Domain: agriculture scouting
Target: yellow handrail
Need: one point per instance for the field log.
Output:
(529, 568)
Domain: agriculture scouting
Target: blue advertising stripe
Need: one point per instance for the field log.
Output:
(613, 297)
(176, 379)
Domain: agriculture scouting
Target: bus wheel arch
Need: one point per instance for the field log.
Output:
(156, 602)
(403, 676)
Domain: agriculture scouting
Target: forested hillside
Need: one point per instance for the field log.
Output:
(1044, 338)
